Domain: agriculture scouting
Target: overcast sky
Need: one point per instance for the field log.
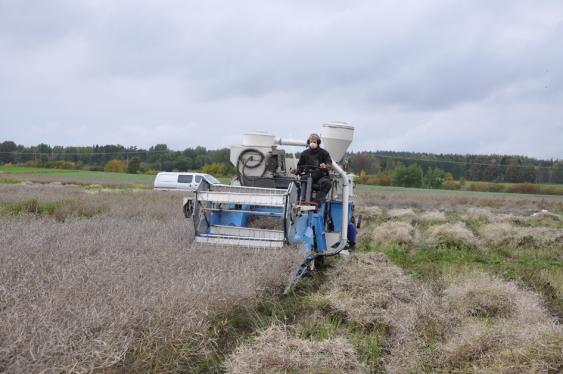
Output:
(432, 76)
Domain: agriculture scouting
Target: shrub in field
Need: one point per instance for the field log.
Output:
(384, 180)
(218, 169)
(486, 187)
(115, 166)
(407, 176)
(390, 233)
(433, 215)
(31, 163)
(59, 210)
(524, 188)
(406, 213)
(64, 165)
(134, 165)
(369, 211)
(477, 213)
(550, 190)
(452, 235)
(451, 185)
(150, 172)
(434, 178)
(92, 168)
(376, 180)
(10, 181)
(276, 351)
(497, 233)
(508, 218)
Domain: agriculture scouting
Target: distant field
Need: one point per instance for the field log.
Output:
(15, 173)
(485, 188)
(78, 174)
(442, 192)
(506, 184)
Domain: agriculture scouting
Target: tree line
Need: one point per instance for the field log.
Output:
(485, 168)
(381, 164)
(97, 157)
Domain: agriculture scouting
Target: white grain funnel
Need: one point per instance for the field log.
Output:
(336, 138)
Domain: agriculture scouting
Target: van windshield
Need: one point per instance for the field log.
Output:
(211, 179)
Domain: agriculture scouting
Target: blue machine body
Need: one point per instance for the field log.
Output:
(232, 217)
(309, 228)
(336, 214)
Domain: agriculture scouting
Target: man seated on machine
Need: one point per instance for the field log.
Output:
(318, 161)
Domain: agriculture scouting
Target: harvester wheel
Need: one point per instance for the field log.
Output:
(188, 208)
(319, 262)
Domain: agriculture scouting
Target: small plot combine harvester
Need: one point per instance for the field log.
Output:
(266, 205)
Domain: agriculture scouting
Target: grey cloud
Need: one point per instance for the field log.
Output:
(425, 67)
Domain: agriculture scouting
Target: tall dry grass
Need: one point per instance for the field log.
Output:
(451, 235)
(506, 234)
(74, 180)
(370, 290)
(276, 351)
(394, 233)
(406, 214)
(117, 289)
(461, 200)
(476, 323)
(432, 216)
(499, 327)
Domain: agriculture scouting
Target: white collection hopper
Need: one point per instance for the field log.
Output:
(336, 137)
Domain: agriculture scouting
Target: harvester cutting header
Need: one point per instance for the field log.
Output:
(275, 200)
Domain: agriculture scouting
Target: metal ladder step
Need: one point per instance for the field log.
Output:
(242, 236)
(253, 212)
(239, 242)
(247, 232)
(243, 195)
(245, 189)
(242, 198)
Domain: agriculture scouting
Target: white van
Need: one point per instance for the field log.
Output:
(182, 181)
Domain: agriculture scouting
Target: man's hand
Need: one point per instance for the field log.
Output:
(323, 166)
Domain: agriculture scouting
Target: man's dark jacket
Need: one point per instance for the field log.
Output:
(313, 158)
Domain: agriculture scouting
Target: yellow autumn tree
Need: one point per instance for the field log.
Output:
(115, 166)
(362, 176)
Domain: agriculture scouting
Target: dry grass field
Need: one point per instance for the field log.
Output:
(95, 279)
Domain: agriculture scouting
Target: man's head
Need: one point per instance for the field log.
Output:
(314, 141)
